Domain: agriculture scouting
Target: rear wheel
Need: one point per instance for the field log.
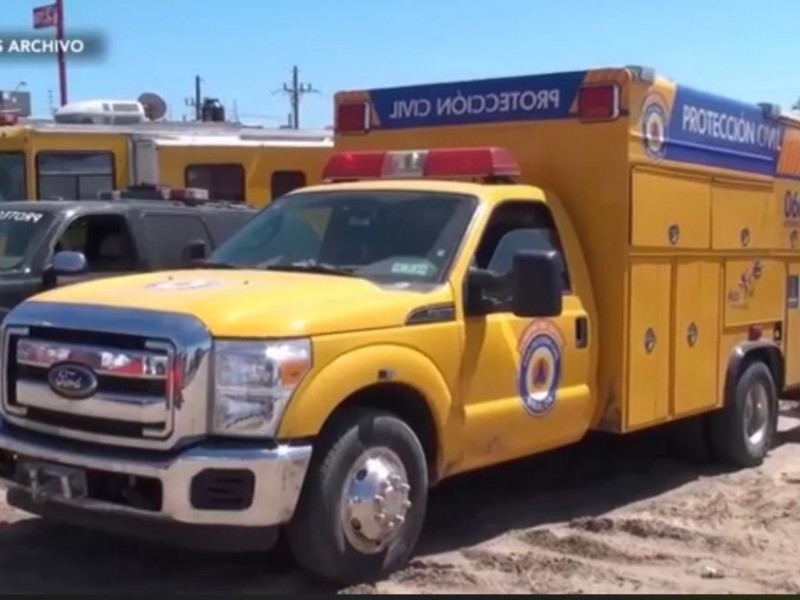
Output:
(742, 433)
(364, 499)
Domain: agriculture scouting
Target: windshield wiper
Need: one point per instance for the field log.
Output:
(212, 264)
(312, 267)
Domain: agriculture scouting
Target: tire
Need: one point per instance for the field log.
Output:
(730, 442)
(332, 547)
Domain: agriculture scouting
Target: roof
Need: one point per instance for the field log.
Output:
(484, 190)
(45, 205)
(238, 141)
(792, 118)
(180, 130)
(116, 205)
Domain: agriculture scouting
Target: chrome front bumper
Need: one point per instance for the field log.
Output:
(278, 477)
(111, 460)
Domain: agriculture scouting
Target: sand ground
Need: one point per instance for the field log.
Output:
(632, 516)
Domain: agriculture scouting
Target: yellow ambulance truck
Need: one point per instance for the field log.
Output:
(491, 270)
(46, 159)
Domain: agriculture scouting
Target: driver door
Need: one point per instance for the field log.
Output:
(105, 240)
(525, 381)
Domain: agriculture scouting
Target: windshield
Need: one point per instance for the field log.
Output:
(12, 176)
(20, 231)
(383, 235)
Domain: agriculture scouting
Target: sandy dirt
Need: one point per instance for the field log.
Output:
(635, 516)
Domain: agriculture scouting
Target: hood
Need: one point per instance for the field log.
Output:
(242, 303)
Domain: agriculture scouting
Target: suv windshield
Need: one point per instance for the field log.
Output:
(20, 231)
(12, 176)
(382, 235)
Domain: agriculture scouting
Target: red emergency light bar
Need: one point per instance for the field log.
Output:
(152, 192)
(440, 163)
(187, 194)
(8, 119)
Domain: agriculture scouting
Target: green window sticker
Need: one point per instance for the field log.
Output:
(407, 268)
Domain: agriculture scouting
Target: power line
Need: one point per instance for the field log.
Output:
(296, 90)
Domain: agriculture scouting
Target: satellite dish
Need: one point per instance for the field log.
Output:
(154, 106)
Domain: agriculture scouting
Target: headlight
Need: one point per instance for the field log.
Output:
(253, 383)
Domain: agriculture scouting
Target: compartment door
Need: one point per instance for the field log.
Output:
(697, 326)
(648, 343)
(670, 210)
(792, 334)
(745, 215)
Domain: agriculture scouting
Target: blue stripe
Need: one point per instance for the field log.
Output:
(703, 128)
(527, 98)
(714, 131)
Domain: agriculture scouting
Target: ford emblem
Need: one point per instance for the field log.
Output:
(72, 380)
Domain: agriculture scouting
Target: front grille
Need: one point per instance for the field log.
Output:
(106, 383)
(90, 382)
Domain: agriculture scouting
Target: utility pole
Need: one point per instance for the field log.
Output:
(296, 91)
(198, 99)
(62, 61)
(45, 17)
(197, 102)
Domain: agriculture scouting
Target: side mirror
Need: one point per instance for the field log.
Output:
(69, 263)
(194, 251)
(536, 283)
(65, 263)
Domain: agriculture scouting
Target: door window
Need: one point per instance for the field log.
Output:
(515, 226)
(168, 235)
(105, 240)
(13, 184)
(283, 182)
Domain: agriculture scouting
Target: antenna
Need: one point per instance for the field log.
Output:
(154, 106)
(295, 93)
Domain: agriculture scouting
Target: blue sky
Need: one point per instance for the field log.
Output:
(245, 49)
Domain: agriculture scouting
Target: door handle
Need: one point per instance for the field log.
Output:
(581, 332)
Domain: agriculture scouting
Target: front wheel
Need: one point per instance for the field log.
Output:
(364, 499)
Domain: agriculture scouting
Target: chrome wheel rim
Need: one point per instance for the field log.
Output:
(756, 413)
(375, 500)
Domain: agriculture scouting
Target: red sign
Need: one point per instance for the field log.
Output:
(45, 16)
